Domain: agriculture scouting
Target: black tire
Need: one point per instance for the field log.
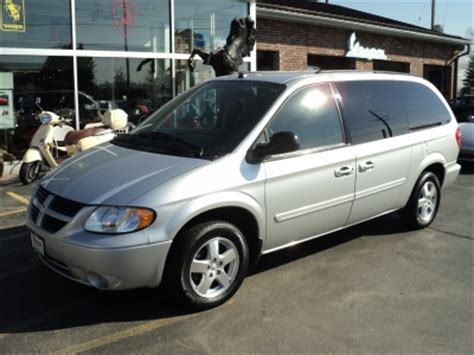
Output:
(423, 204)
(29, 172)
(205, 288)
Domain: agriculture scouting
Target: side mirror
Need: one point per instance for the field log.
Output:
(280, 143)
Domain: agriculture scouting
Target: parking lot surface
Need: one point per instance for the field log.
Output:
(376, 288)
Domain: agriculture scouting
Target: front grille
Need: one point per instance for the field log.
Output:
(34, 212)
(52, 212)
(52, 224)
(65, 206)
(41, 194)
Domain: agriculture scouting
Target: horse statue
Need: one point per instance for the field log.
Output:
(226, 60)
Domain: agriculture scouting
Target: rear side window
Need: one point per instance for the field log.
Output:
(374, 110)
(312, 115)
(424, 107)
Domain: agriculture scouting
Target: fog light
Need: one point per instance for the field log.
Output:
(96, 280)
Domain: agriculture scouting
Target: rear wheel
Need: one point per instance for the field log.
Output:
(208, 264)
(423, 204)
(29, 172)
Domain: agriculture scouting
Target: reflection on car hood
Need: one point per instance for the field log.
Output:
(109, 174)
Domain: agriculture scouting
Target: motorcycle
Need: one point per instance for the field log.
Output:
(56, 139)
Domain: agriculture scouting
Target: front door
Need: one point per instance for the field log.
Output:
(310, 191)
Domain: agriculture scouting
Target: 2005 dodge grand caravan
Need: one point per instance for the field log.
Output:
(242, 166)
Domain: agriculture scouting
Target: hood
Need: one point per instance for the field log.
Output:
(109, 174)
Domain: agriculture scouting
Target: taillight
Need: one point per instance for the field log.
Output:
(458, 137)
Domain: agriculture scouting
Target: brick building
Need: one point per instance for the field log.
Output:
(300, 35)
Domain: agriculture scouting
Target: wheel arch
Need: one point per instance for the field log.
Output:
(436, 164)
(236, 208)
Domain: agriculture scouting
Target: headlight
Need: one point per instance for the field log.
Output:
(45, 118)
(115, 220)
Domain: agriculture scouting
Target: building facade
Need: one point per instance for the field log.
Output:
(78, 56)
(301, 35)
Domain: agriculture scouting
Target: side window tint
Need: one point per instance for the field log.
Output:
(374, 110)
(312, 115)
(424, 108)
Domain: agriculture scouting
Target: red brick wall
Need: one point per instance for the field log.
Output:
(295, 41)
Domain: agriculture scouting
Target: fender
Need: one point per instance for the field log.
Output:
(433, 158)
(31, 155)
(206, 203)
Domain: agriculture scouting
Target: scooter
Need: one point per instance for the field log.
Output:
(56, 136)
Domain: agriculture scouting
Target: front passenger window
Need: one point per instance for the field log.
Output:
(312, 115)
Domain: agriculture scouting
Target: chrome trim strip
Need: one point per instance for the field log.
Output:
(379, 188)
(281, 217)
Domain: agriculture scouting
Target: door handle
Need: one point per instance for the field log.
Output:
(368, 165)
(344, 171)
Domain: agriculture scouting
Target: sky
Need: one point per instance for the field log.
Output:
(456, 16)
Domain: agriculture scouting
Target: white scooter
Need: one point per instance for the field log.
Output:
(56, 136)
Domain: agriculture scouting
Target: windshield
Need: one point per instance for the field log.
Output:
(206, 122)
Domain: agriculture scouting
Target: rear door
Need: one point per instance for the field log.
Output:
(377, 124)
(310, 191)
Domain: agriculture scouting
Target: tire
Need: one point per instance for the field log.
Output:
(207, 264)
(423, 204)
(29, 172)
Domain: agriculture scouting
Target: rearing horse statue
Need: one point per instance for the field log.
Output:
(226, 60)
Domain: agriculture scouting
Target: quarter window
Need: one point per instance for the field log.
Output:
(424, 107)
(373, 109)
(312, 115)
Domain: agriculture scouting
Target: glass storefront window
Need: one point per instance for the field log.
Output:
(138, 86)
(23, 79)
(35, 24)
(185, 79)
(123, 25)
(204, 24)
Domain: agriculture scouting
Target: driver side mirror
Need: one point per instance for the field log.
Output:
(280, 143)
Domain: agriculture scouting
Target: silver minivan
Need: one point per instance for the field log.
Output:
(241, 166)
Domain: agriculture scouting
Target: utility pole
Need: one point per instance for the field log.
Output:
(432, 14)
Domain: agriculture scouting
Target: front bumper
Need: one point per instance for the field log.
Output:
(104, 268)
(112, 269)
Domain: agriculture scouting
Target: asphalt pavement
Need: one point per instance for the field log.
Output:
(373, 288)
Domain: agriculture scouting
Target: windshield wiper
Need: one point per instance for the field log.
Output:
(195, 149)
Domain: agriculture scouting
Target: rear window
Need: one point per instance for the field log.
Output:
(373, 109)
(424, 108)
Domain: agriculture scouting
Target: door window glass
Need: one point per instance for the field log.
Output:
(373, 109)
(312, 115)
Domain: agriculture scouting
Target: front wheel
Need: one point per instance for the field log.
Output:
(423, 204)
(29, 172)
(208, 264)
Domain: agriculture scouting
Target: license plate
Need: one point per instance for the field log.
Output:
(37, 243)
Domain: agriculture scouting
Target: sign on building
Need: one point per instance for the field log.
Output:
(356, 50)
